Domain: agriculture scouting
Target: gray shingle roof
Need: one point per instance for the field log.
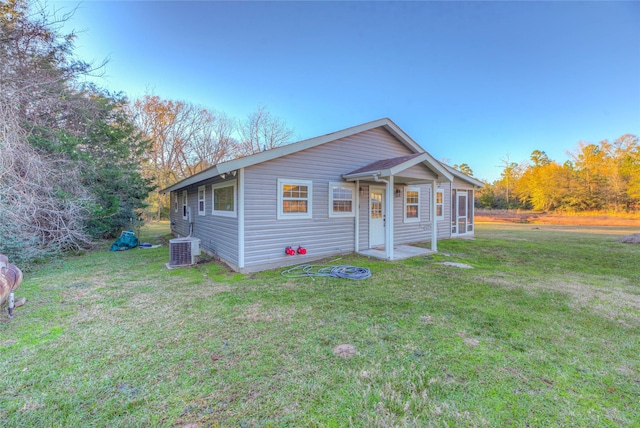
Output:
(384, 164)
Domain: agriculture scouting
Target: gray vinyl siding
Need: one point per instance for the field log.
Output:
(418, 172)
(266, 237)
(418, 231)
(444, 226)
(363, 241)
(180, 226)
(218, 235)
(459, 184)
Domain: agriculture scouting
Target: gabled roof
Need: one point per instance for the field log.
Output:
(235, 164)
(383, 164)
(394, 166)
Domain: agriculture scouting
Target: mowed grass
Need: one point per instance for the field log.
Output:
(544, 331)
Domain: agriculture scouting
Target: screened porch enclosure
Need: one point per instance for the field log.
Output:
(461, 211)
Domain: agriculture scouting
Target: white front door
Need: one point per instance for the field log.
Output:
(462, 213)
(376, 216)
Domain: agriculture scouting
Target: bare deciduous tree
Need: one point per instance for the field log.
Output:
(185, 140)
(262, 131)
(214, 142)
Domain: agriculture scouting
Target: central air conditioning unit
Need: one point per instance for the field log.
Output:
(183, 251)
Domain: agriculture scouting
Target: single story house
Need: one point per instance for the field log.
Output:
(366, 187)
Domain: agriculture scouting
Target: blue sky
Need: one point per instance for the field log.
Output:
(471, 82)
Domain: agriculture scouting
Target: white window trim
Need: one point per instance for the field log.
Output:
(309, 214)
(202, 199)
(440, 217)
(185, 204)
(230, 183)
(406, 190)
(175, 201)
(350, 186)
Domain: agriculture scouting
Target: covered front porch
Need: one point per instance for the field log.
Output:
(397, 210)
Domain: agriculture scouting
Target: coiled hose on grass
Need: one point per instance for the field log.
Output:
(312, 271)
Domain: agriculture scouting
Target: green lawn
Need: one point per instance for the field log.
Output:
(544, 331)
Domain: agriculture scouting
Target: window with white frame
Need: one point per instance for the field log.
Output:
(294, 198)
(341, 199)
(225, 199)
(411, 204)
(184, 205)
(201, 200)
(440, 204)
(175, 201)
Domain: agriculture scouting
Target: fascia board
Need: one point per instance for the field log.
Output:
(361, 176)
(201, 176)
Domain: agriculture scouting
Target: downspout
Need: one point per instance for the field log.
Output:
(388, 215)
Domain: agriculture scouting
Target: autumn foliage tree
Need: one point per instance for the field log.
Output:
(599, 176)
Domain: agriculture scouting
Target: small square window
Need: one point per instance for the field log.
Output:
(224, 199)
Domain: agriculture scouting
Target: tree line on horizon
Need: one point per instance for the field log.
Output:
(602, 176)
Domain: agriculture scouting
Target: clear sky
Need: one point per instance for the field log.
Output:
(471, 82)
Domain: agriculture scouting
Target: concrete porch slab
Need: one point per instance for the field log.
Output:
(400, 252)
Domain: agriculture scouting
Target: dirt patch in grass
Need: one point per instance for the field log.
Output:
(458, 265)
(346, 350)
(257, 313)
(469, 341)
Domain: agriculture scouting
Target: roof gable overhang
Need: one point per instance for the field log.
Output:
(395, 166)
(462, 176)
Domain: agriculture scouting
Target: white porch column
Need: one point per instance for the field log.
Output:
(357, 220)
(434, 221)
(389, 219)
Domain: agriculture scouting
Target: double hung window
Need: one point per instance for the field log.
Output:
(341, 199)
(294, 198)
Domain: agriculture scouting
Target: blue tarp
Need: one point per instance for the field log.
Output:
(126, 241)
